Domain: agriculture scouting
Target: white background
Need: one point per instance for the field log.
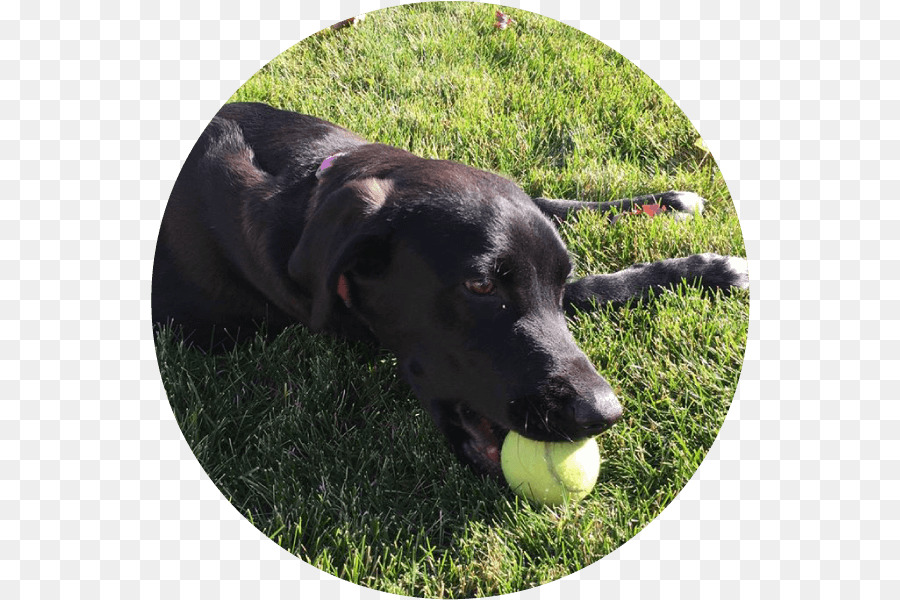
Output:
(100, 103)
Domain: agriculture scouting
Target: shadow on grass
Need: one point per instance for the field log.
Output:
(322, 447)
(324, 450)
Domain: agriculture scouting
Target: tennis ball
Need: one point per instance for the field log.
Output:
(550, 472)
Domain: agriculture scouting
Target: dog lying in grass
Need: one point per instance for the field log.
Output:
(279, 218)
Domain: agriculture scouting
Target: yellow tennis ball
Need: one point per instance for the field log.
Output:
(550, 472)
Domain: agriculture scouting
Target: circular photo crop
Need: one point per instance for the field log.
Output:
(450, 300)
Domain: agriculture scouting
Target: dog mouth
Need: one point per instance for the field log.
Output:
(485, 438)
(482, 438)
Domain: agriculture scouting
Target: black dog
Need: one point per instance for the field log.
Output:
(281, 218)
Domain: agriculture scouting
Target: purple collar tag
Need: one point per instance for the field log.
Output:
(327, 164)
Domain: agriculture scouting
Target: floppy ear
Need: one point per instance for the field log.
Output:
(345, 231)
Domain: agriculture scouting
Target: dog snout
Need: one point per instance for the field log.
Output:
(595, 412)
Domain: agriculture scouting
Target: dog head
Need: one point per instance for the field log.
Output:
(459, 274)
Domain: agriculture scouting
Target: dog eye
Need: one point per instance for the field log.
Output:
(482, 287)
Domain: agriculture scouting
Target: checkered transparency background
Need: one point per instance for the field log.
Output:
(100, 103)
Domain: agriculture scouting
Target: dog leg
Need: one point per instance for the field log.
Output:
(682, 204)
(636, 282)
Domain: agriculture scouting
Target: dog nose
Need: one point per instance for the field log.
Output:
(594, 414)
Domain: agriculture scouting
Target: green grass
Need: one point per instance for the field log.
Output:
(321, 445)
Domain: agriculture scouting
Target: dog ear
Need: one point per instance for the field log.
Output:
(346, 232)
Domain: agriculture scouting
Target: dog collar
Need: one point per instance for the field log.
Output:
(326, 164)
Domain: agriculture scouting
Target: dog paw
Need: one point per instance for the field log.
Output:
(723, 271)
(684, 203)
(738, 271)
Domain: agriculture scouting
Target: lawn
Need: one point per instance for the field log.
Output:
(320, 443)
